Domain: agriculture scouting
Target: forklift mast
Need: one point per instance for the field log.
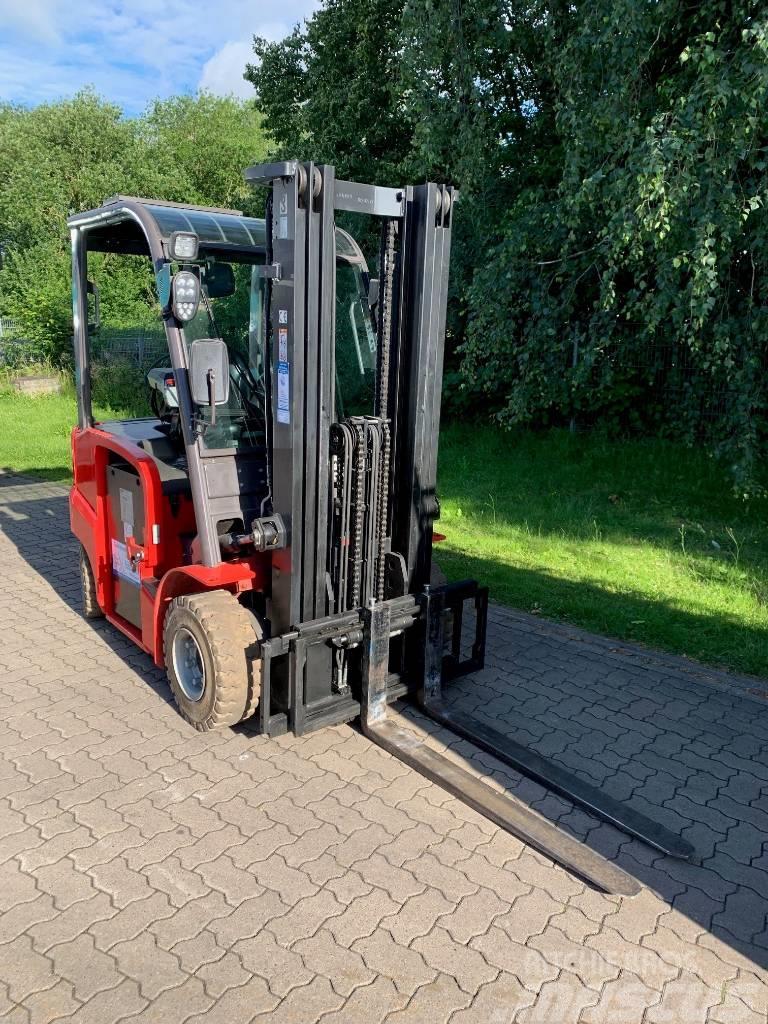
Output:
(357, 494)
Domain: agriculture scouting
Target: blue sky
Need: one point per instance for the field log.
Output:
(135, 51)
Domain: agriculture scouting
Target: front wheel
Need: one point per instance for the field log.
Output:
(211, 652)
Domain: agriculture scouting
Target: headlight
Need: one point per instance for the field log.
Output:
(186, 295)
(183, 245)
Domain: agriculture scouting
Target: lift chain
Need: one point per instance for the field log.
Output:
(358, 502)
(384, 318)
(383, 543)
(385, 310)
(341, 461)
(361, 449)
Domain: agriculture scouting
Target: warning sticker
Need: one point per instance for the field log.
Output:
(282, 345)
(283, 393)
(282, 217)
(121, 563)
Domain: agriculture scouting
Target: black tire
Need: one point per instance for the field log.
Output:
(227, 640)
(91, 609)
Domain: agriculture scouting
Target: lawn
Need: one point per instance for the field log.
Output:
(34, 433)
(639, 540)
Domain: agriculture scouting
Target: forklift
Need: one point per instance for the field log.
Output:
(266, 535)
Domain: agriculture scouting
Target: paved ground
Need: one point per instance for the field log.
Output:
(148, 873)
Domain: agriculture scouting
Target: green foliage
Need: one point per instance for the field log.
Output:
(120, 385)
(610, 241)
(65, 157)
(654, 236)
(331, 91)
(35, 290)
(199, 147)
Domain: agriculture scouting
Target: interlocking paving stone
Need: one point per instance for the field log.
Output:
(152, 874)
(406, 967)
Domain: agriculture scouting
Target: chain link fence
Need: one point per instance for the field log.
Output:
(142, 348)
(121, 359)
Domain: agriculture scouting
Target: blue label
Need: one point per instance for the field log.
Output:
(283, 393)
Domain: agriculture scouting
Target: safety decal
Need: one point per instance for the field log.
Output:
(283, 394)
(121, 564)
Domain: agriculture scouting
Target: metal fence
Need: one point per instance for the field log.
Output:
(140, 347)
(9, 328)
(662, 386)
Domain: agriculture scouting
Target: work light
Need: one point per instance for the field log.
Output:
(186, 295)
(183, 245)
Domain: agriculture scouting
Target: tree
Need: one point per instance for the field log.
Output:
(330, 92)
(200, 146)
(610, 240)
(648, 257)
(61, 158)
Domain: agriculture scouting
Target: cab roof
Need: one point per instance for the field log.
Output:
(124, 224)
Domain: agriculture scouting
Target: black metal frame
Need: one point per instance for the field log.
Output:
(297, 688)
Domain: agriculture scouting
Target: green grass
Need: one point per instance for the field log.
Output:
(639, 540)
(34, 432)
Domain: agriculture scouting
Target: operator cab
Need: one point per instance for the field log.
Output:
(204, 301)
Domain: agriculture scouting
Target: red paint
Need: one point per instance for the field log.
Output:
(162, 569)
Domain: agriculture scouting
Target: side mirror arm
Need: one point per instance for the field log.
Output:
(212, 394)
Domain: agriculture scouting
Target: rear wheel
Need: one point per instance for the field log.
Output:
(211, 655)
(91, 609)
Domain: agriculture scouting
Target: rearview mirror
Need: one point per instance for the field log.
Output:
(209, 373)
(219, 280)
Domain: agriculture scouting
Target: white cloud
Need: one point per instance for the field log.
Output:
(223, 73)
(134, 52)
(35, 18)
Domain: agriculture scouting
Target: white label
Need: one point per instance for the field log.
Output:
(282, 316)
(282, 345)
(126, 510)
(121, 563)
(282, 217)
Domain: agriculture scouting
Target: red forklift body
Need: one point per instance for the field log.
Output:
(133, 536)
